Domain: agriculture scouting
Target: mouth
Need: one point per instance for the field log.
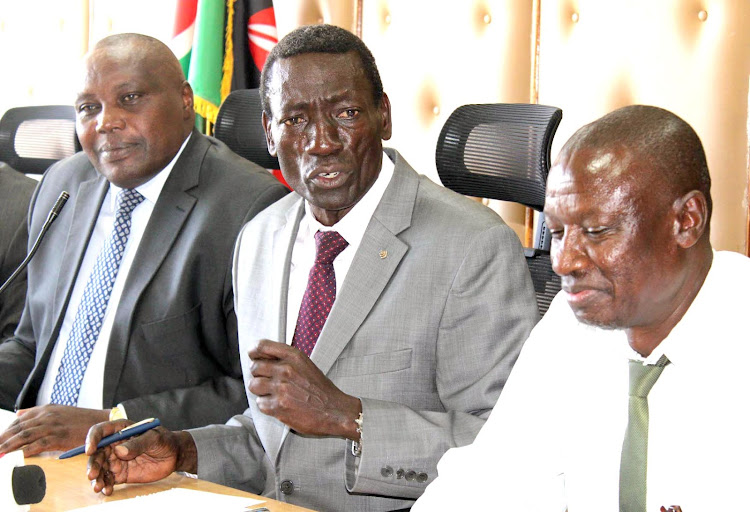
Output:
(578, 295)
(328, 178)
(115, 152)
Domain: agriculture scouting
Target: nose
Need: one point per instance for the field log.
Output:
(109, 118)
(568, 254)
(322, 137)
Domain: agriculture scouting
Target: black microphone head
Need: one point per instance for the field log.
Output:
(29, 484)
(61, 200)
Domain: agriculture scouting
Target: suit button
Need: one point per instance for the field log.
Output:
(386, 471)
(411, 475)
(287, 487)
(422, 477)
(399, 473)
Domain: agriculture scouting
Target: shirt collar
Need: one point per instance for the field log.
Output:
(152, 188)
(353, 225)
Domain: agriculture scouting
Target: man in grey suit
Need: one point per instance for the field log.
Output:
(15, 193)
(167, 344)
(433, 300)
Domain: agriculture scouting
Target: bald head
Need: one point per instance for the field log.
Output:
(134, 108)
(150, 52)
(628, 205)
(664, 152)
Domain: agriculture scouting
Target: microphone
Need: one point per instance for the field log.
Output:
(29, 484)
(53, 213)
(20, 486)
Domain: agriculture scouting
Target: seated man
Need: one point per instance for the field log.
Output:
(645, 302)
(130, 299)
(351, 410)
(15, 193)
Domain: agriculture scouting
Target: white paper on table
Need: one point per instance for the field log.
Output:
(183, 500)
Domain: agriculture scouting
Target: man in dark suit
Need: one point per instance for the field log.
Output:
(15, 194)
(165, 340)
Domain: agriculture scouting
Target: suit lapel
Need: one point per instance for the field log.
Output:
(171, 211)
(81, 226)
(271, 431)
(377, 258)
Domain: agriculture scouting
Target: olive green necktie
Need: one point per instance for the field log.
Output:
(635, 446)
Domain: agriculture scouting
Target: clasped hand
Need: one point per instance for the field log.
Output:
(289, 387)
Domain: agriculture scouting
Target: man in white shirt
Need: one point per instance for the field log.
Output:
(351, 408)
(628, 206)
(132, 313)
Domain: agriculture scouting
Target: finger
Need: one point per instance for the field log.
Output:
(21, 436)
(265, 367)
(267, 349)
(102, 430)
(260, 386)
(95, 464)
(42, 444)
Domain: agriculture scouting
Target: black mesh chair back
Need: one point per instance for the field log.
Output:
(33, 138)
(502, 151)
(239, 126)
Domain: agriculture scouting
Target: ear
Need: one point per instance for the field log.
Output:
(385, 114)
(187, 100)
(269, 135)
(691, 218)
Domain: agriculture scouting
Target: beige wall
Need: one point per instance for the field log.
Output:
(689, 56)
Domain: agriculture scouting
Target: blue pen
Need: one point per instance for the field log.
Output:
(126, 433)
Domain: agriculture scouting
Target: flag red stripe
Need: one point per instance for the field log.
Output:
(185, 15)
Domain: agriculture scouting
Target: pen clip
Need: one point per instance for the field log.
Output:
(147, 420)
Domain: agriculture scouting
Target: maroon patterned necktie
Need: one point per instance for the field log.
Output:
(320, 292)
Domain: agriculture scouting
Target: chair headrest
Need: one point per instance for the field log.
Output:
(33, 138)
(239, 126)
(498, 151)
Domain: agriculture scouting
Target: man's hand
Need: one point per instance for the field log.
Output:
(292, 389)
(146, 458)
(49, 427)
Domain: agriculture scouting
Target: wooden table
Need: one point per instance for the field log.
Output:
(68, 488)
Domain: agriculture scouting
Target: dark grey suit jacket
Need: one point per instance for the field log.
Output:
(15, 193)
(173, 349)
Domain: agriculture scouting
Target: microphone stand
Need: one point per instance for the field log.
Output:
(54, 212)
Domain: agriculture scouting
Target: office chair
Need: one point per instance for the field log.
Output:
(239, 126)
(502, 151)
(33, 138)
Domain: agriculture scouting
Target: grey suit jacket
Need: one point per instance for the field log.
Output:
(15, 194)
(425, 336)
(173, 348)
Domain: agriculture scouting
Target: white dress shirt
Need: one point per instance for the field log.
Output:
(92, 387)
(554, 440)
(352, 227)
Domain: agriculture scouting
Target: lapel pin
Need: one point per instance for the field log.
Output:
(383, 254)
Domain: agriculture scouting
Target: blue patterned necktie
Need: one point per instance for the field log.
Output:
(90, 315)
(321, 291)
